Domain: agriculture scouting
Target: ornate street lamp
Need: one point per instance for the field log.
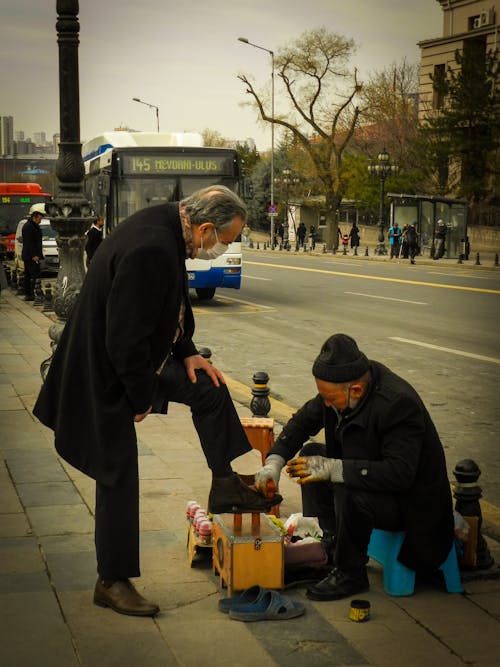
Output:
(70, 212)
(382, 169)
(272, 208)
(151, 106)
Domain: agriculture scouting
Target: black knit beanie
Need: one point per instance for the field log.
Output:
(340, 360)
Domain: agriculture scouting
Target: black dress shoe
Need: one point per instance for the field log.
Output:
(231, 495)
(338, 585)
(123, 598)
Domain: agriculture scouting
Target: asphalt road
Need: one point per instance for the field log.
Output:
(435, 324)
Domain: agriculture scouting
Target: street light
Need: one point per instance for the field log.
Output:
(382, 169)
(272, 210)
(151, 106)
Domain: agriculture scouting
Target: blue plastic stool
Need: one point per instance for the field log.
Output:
(384, 547)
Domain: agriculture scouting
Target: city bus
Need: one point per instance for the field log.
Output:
(15, 202)
(128, 171)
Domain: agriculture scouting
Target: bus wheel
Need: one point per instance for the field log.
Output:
(205, 293)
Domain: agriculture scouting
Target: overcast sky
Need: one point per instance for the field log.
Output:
(183, 56)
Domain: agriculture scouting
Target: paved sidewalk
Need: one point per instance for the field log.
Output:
(48, 571)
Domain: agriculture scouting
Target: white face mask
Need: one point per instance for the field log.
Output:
(212, 253)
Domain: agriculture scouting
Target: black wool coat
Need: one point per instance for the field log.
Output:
(32, 241)
(120, 331)
(388, 444)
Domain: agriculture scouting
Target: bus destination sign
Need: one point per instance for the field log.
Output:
(189, 165)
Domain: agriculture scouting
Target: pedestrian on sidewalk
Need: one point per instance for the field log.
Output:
(32, 252)
(383, 466)
(412, 241)
(94, 238)
(127, 350)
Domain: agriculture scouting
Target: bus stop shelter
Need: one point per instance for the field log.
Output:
(425, 211)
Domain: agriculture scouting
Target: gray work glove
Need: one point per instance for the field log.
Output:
(315, 469)
(270, 471)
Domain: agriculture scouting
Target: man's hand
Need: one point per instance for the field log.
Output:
(139, 418)
(270, 472)
(197, 362)
(315, 469)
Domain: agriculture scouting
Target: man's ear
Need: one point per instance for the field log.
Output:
(357, 390)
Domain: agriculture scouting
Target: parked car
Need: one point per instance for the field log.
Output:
(50, 261)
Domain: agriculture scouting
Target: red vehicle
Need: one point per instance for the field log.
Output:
(15, 202)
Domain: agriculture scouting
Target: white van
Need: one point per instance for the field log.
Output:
(50, 262)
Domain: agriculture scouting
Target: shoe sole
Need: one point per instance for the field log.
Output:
(236, 509)
(339, 596)
(99, 602)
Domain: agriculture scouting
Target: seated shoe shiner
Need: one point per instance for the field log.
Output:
(382, 466)
(127, 350)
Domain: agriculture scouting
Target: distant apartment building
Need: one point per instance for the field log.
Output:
(6, 135)
(468, 25)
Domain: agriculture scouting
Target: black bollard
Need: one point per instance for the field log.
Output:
(344, 252)
(38, 300)
(260, 404)
(324, 248)
(478, 261)
(8, 274)
(496, 260)
(48, 306)
(467, 493)
(460, 259)
(258, 248)
(366, 251)
(355, 249)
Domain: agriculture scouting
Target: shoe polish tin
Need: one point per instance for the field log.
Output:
(359, 611)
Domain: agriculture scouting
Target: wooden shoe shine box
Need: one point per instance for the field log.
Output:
(247, 555)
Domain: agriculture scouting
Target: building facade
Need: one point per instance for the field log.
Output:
(6, 135)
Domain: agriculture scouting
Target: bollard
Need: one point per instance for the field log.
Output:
(495, 263)
(355, 249)
(48, 306)
(38, 300)
(13, 280)
(478, 262)
(366, 251)
(344, 251)
(8, 275)
(324, 248)
(460, 259)
(260, 404)
(206, 353)
(467, 493)
(258, 248)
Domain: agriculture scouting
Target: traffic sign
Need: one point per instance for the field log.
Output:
(273, 209)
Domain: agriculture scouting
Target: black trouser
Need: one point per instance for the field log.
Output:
(31, 273)
(222, 439)
(349, 513)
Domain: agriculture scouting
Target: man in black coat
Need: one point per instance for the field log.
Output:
(94, 238)
(126, 351)
(383, 466)
(32, 251)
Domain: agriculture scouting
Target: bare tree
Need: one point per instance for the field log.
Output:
(322, 114)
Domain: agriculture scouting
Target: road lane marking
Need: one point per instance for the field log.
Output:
(388, 298)
(439, 348)
(247, 277)
(380, 278)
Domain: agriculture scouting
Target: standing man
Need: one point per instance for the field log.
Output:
(94, 238)
(394, 239)
(383, 466)
(440, 238)
(32, 252)
(126, 351)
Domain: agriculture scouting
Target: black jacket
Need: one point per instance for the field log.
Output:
(389, 444)
(32, 241)
(119, 333)
(94, 238)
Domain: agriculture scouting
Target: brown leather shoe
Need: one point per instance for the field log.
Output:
(123, 598)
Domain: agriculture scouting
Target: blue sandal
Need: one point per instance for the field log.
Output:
(250, 596)
(272, 606)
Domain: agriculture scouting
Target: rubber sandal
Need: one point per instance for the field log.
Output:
(250, 596)
(271, 607)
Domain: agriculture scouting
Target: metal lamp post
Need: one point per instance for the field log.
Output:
(382, 169)
(272, 208)
(151, 106)
(70, 212)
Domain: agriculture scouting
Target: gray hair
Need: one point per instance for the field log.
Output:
(216, 204)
